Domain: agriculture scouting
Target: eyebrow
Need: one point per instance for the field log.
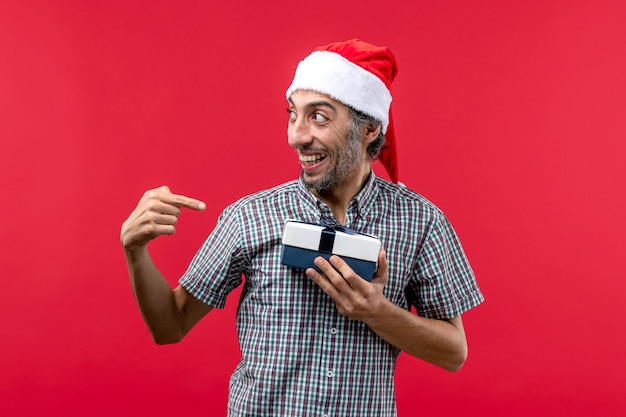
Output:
(318, 103)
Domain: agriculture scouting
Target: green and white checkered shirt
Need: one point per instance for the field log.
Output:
(300, 357)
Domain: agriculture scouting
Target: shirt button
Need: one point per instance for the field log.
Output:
(330, 374)
(333, 330)
(325, 415)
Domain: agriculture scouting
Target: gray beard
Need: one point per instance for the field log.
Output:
(347, 159)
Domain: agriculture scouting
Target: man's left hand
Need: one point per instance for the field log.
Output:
(355, 297)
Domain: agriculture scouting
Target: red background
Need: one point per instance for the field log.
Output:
(510, 116)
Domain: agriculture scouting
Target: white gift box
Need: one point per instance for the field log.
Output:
(303, 242)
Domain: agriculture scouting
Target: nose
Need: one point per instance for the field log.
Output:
(299, 132)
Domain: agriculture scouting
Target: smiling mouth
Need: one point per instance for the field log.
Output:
(310, 160)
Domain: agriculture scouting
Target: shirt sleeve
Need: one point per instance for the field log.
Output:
(444, 285)
(217, 267)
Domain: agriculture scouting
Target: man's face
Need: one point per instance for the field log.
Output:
(319, 130)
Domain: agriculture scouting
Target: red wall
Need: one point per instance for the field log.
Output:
(510, 116)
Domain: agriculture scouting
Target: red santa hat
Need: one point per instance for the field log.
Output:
(359, 75)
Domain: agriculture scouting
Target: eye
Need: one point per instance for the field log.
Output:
(319, 117)
(291, 115)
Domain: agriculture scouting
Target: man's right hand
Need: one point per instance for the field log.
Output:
(156, 214)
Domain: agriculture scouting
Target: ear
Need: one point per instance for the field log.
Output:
(371, 132)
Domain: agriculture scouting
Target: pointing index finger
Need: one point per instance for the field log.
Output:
(186, 202)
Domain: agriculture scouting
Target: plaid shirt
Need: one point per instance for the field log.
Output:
(300, 357)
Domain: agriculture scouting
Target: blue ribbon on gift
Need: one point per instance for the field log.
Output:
(327, 240)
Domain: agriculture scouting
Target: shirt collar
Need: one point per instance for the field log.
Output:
(365, 199)
(359, 207)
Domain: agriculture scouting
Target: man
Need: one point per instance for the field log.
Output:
(319, 343)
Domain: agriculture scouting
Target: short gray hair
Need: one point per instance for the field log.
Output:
(361, 120)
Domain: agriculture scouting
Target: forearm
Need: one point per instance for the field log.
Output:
(440, 342)
(169, 314)
(155, 297)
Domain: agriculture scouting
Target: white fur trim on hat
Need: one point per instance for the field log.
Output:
(331, 74)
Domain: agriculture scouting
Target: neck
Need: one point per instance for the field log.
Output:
(338, 199)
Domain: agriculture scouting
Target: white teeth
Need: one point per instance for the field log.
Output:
(311, 158)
